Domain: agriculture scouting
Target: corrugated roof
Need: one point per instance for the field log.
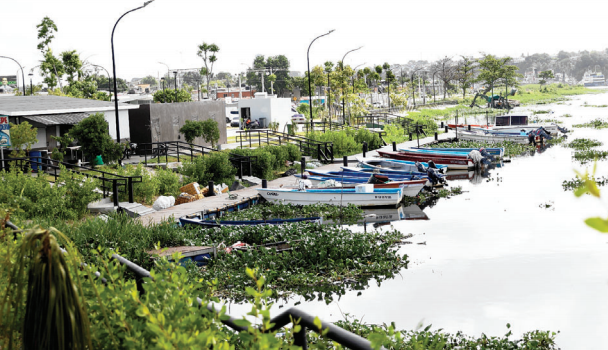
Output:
(17, 106)
(57, 119)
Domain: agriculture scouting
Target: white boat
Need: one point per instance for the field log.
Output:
(594, 78)
(478, 135)
(343, 197)
(517, 123)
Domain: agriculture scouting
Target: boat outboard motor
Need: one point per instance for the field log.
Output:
(434, 176)
(485, 154)
(420, 167)
(476, 157)
(563, 130)
(431, 164)
(543, 133)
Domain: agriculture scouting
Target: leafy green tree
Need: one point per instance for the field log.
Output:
(277, 65)
(149, 80)
(23, 136)
(490, 70)
(208, 52)
(211, 132)
(94, 138)
(168, 96)
(72, 65)
(51, 66)
(465, 73)
(544, 76)
(191, 130)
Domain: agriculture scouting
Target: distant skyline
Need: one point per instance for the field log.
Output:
(169, 31)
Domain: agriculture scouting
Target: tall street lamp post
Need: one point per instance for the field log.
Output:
(343, 58)
(22, 75)
(31, 86)
(435, 72)
(309, 85)
(175, 73)
(114, 70)
(164, 91)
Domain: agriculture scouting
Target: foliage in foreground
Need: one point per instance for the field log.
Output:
(590, 186)
(347, 141)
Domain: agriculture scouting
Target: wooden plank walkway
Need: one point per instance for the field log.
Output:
(211, 203)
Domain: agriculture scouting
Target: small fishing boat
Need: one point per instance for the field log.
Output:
(347, 182)
(454, 126)
(450, 162)
(483, 136)
(392, 165)
(365, 173)
(197, 221)
(362, 195)
(516, 123)
(495, 151)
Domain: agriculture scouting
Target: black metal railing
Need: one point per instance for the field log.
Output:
(289, 316)
(323, 151)
(180, 150)
(110, 183)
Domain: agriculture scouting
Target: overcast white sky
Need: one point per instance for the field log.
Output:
(391, 31)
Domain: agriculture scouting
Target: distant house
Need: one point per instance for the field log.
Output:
(55, 115)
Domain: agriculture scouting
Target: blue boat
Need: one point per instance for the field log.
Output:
(184, 221)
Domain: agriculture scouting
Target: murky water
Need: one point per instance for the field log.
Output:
(497, 254)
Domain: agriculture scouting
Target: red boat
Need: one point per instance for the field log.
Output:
(451, 163)
(392, 184)
(423, 155)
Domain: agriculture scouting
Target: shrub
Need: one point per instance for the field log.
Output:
(211, 132)
(294, 152)
(214, 166)
(94, 138)
(168, 182)
(191, 130)
(35, 197)
(23, 136)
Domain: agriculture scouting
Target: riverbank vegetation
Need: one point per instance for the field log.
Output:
(595, 124)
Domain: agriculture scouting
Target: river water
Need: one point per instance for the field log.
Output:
(513, 248)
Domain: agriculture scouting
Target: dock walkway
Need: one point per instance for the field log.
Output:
(211, 203)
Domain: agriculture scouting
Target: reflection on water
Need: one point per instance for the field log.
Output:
(493, 256)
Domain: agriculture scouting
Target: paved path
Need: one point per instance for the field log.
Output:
(211, 203)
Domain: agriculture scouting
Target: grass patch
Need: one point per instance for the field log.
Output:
(595, 124)
(571, 185)
(587, 155)
(582, 144)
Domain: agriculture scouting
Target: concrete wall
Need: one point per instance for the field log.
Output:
(273, 109)
(123, 116)
(167, 118)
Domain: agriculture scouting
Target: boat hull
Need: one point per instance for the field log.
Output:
(343, 197)
(213, 223)
(491, 138)
(498, 151)
(451, 163)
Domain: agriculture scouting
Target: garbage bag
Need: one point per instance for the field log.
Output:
(163, 202)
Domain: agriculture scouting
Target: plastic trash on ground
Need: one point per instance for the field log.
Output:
(163, 202)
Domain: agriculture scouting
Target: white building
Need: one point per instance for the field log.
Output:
(55, 115)
(266, 109)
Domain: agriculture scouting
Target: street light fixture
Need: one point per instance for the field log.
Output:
(109, 93)
(114, 69)
(343, 58)
(22, 75)
(309, 85)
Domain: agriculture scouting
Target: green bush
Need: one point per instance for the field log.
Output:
(94, 138)
(67, 199)
(270, 159)
(168, 182)
(214, 166)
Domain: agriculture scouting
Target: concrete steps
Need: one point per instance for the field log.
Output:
(105, 206)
